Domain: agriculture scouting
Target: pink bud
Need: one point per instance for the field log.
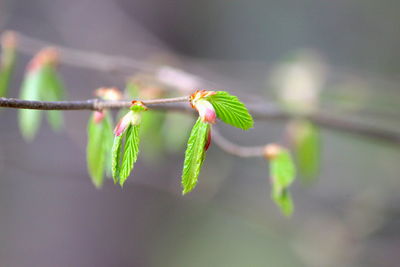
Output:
(98, 116)
(131, 118)
(123, 123)
(206, 111)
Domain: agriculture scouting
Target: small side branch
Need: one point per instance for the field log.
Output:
(234, 149)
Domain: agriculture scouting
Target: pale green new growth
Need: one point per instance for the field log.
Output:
(230, 110)
(29, 120)
(99, 148)
(131, 150)
(7, 65)
(307, 149)
(282, 173)
(53, 90)
(194, 155)
(41, 84)
(116, 157)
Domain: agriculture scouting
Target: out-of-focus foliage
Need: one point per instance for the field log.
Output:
(100, 141)
(7, 61)
(282, 174)
(41, 82)
(305, 138)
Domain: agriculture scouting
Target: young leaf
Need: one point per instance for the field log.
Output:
(194, 155)
(282, 174)
(230, 110)
(306, 140)
(53, 90)
(41, 83)
(131, 150)
(29, 120)
(99, 148)
(7, 62)
(284, 201)
(151, 129)
(116, 157)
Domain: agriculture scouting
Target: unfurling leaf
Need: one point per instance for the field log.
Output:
(282, 174)
(41, 83)
(29, 120)
(7, 62)
(195, 155)
(131, 150)
(284, 200)
(53, 90)
(123, 160)
(230, 110)
(99, 145)
(116, 157)
(306, 141)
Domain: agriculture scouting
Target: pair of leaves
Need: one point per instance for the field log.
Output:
(305, 137)
(230, 110)
(100, 141)
(44, 84)
(124, 154)
(7, 65)
(282, 175)
(195, 155)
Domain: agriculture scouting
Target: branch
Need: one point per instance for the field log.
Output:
(258, 112)
(91, 104)
(234, 149)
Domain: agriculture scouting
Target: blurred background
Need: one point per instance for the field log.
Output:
(342, 55)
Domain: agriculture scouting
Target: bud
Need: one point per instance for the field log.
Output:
(271, 151)
(204, 107)
(9, 40)
(112, 94)
(47, 56)
(133, 117)
(98, 116)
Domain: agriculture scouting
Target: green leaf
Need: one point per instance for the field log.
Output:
(230, 110)
(29, 120)
(7, 65)
(42, 83)
(194, 155)
(153, 141)
(175, 130)
(284, 201)
(282, 173)
(53, 90)
(306, 140)
(99, 149)
(116, 157)
(131, 150)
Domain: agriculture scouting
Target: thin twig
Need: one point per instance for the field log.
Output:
(234, 149)
(91, 104)
(258, 112)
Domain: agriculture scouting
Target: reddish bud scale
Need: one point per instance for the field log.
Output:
(9, 40)
(98, 116)
(47, 56)
(204, 108)
(133, 117)
(208, 140)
